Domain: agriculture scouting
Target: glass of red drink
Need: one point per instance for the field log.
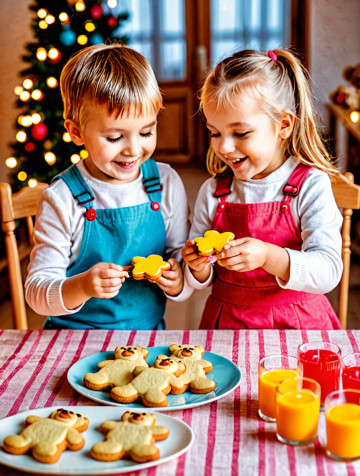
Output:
(322, 362)
(351, 371)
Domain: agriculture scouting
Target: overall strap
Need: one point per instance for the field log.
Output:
(77, 185)
(151, 180)
(293, 185)
(223, 187)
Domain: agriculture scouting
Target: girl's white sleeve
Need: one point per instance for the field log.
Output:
(204, 211)
(317, 268)
(50, 256)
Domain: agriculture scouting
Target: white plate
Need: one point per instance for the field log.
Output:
(80, 462)
(225, 374)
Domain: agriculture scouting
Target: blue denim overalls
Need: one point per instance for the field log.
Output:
(116, 236)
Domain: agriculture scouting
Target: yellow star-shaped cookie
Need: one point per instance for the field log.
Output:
(212, 242)
(150, 268)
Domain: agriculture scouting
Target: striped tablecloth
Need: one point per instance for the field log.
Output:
(229, 437)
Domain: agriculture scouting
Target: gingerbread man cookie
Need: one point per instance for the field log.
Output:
(132, 437)
(150, 268)
(212, 242)
(196, 367)
(47, 438)
(152, 384)
(119, 371)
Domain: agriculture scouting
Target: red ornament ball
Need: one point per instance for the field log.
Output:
(39, 131)
(96, 11)
(111, 22)
(30, 147)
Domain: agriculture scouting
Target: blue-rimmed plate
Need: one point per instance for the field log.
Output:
(80, 462)
(225, 374)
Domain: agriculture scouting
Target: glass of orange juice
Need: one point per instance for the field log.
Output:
(297, 411)
(342, 413)
(273, 370)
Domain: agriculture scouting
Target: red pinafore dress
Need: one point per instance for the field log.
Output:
(254, 299)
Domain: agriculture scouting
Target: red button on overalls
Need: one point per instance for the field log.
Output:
(155, 206)
(90, 214)
(284, 207)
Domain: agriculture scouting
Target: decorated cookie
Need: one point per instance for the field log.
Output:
(150, 268)
(131, 437)
(196, 367)
(47, 438)
(119, 371)
(212, 242)
(152, 384)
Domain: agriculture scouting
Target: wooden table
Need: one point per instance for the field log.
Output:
(230, 439)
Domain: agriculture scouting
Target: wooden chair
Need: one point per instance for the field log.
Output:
(347, 196)
(13, 207)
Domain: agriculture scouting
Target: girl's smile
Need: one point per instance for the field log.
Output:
(245, 138)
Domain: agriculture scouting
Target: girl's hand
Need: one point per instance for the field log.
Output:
(172, 280)
(244, 254)
(103, 280)
(200, 265)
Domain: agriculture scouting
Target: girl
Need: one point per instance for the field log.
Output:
(116, 204)
(271, 188)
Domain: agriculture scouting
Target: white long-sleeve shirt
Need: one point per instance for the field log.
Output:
(317, 267)
(59, 230)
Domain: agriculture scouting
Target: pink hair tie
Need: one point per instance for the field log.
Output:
(272, 55)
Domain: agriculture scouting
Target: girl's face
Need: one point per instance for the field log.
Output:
(245, 138)
(117, 146)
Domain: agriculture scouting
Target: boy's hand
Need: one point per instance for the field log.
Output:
(200, 265)
(172, 280)
(103, 280)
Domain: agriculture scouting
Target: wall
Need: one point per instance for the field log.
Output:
(15, 32)
(334, 43)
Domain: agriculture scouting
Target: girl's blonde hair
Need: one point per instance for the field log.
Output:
(280, 85)
(114, 75)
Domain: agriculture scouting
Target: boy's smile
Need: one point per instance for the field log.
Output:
(117, 146)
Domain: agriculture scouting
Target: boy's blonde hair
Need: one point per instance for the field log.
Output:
(280, 86)
(113, 75)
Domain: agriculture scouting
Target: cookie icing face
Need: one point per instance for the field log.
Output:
(150, 268)
(130, 353)
(166, 364)
(139, 418)
(212, 242)
(187, 351)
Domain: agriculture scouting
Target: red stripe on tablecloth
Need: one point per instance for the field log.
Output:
(352, 340)
(63, 379)
(304, 336)
(21, 364)
(236, 438)
(131, 338)
(289, 449)
(209, 337)
(53, 368)
(106, 341)
(152, 338)
(186, 418)
(17, 404)
(15, 353)
(262, 458)
(350, 469)
(186, 415)
(248, 373)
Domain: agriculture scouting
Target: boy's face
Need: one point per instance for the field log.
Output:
(117, 146)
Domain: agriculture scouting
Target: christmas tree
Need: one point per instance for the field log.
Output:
(43, 148)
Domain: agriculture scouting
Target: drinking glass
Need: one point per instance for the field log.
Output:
(297, 411)
(321, 362)
(273, 370)
(351, 371)
(342, 414)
